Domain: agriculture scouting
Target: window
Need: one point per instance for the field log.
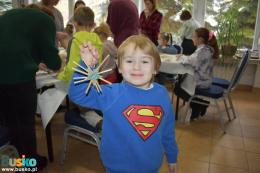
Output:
(5, 5)
(99, 8)
(242, 13)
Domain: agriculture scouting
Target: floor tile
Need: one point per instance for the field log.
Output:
(229, 141)
(251, 131)
(252, 145)
(225, 169)
(253, 161)
(188, 166)
(229, 157)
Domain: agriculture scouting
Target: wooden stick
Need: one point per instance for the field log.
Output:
(105, 80)
(77, 78)
(80, 81)
(79, 71)
(80, 66)
(102, 62)
(88, 87)
(98, 87)
(89, 69)
(105, 71)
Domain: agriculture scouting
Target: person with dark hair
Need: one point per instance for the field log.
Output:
(202, 62)
(58, 18)
(70, 28)
(42, 8)
(21, 52)
(188, 27)
(165, 43)
(150, 21)
(79, 3)
(122, 19)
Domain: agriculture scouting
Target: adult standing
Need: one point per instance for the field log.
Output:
(123, 19)
(58, 18)
(188, 27)
(150, 21)
(27, 37)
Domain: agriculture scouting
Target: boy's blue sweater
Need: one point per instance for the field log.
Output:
(138, 125)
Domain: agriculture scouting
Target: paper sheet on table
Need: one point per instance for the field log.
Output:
(48, 103)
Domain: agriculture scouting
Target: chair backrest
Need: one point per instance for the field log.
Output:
(239, 71)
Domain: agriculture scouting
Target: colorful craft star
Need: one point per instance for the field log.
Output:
(91, 75)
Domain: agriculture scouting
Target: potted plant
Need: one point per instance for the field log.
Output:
(229, 32)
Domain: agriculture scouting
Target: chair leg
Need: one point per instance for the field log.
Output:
(222, 123)
(232, 106)
(64, 146)
(177, 108)
(188, 112)
(183, 102)
(227, 109)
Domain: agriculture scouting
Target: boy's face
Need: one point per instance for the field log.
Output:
(136, 67)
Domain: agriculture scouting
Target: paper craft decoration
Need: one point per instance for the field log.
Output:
(92, 75)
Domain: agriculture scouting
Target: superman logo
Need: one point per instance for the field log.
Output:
(144, 119)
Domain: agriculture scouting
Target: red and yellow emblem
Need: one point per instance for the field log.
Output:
(144, 119)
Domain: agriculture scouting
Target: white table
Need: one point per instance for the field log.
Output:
(171, 65)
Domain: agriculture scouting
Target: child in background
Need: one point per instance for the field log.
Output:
(202, 62)
(70, 28)
(138, 118)
(84, 23)
(110, 49)
(165, 43)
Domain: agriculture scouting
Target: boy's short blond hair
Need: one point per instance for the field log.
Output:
(103, 29)
(84, 16)
(143, 43)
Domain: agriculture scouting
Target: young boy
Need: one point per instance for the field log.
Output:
(138, 118)
(84, 23)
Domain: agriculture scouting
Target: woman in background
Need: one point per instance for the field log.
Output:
(122, 19)
(58, 18)
(188, 27)
(150, 21)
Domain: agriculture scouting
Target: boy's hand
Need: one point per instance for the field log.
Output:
(89, 54)
(172, 168)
